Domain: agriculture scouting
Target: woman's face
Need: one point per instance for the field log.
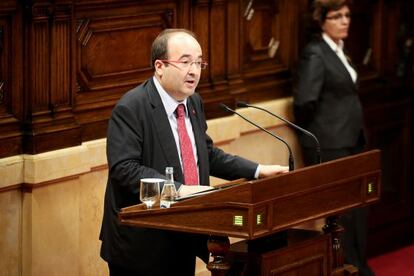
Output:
(337, 23)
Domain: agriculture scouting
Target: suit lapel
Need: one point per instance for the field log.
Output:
(166, 138)
(336, 61)
(163, 129)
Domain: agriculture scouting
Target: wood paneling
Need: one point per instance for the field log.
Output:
(11, 109)
(48, 122)
(78, 57)
(113, 55)
(64, 64)
(389, 128)
(304, 253)
(265, 48)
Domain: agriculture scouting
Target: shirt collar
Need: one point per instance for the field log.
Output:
(335, 47)
(170, 104)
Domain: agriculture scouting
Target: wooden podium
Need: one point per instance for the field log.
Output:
(261, 209)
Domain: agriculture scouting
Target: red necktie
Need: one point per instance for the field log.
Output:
(187, 155)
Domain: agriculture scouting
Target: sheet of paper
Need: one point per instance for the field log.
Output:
(186, 190)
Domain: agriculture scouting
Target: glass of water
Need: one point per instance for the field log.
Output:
(150, 191)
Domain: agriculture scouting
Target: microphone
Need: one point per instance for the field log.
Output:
(291, 162)
(310, 134)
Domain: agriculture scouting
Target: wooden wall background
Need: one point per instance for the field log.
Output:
(65, 63)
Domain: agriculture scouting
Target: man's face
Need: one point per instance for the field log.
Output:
(179, 76)
(337, 23)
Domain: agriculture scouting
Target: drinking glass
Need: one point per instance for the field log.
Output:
(150, 191)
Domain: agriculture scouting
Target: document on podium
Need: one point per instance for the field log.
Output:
(188, 191)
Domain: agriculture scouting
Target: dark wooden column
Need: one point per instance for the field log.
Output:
(234, 73)
(49, 122)
(11, 111)
(332, 227)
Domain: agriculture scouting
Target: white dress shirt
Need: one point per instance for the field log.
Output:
(170, 105)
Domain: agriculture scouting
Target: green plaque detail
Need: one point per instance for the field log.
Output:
(238, 220)
(258, 219)
(370, 187)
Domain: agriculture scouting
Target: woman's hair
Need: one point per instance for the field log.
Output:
(322, 7)
(160, 45)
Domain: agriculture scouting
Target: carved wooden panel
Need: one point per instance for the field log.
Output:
(405, 44)
(49, 122)
(39, 59)
(361, 42)
(5, 64)
(10, 80)
(60, 55)
(113, 55)
(261, 25)
(215, 86)
(300, 253)
(265, 47)
(233, 40)
(372, 35)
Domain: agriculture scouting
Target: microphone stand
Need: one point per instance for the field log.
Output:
(318, 147)
(291, 161)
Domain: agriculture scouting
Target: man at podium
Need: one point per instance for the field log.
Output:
(159, 124)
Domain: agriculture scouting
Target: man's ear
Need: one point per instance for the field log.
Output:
(159, 67)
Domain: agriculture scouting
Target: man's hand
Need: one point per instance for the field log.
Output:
(269, 170)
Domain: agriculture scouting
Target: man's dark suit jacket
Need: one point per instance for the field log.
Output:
(140, 144)
(326, 101)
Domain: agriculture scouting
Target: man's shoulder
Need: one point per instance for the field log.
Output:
(137, 93)
(196, 97)
(196, 100)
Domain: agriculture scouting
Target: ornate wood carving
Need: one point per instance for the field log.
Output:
(105, 62)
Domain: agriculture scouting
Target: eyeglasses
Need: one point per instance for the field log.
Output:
(339, 16)
(185, 64)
